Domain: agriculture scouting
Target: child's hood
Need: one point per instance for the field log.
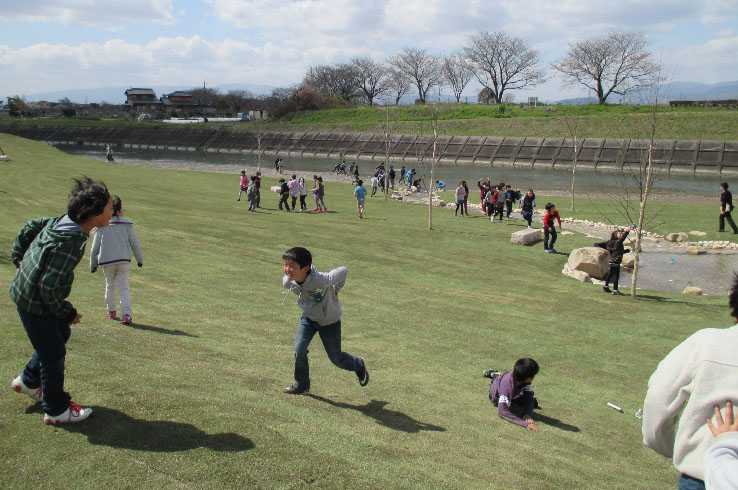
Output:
(62, 230)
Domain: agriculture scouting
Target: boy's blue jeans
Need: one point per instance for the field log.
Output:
(48, 336)
(331, 337)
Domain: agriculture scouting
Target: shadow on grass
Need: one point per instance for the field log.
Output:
(150, 328)
(112, 428)
(389, 418)
(659, 299)
(544, 419)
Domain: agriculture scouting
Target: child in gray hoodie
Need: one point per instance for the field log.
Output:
(317, 296)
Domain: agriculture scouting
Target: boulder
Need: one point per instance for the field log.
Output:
(567, 233)
(578, 275)
(525, 237)
(693, 250)
(692, 290)
(628, 261)
(440, 203)
(697, 233)
(592, 260)
(677, 237)
(275, 188)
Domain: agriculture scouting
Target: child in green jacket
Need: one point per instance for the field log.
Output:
(46, 252)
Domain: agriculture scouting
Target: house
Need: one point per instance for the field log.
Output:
(180, 102)
(142, 100)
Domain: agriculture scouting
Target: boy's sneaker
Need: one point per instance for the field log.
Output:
(553, 251)
(606, 289)
(615, 292)
(490, 373)
(75, 413)
(294, 390)
(111, 315)
(363, 374)
(316, 209)
(547, 251)
(127, 320)
(18, 385)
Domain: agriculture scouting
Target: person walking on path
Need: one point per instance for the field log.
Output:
(726, 207)
(111, 250)
(528, 207)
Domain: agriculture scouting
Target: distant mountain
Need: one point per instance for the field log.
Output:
(116, 95)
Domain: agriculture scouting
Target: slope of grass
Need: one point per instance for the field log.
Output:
(190, 395)
(591, 121)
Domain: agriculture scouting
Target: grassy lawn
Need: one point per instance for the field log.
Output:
(593, 121)
(190, 395)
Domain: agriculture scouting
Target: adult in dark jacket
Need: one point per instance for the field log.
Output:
(726, 207)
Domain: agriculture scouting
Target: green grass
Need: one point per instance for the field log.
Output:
(592, 121)
(190, 396)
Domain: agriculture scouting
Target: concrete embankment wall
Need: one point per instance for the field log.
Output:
(596, 153)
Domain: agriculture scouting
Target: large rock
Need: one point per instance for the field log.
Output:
(525, 237)
(677, 237)
(697, 233)
(592, 260)
(692, 250)
(692, 290)
(628, 261)
(578, 275)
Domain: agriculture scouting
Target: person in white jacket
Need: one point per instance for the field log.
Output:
(721, 459)
(698, 374)
(111, 250)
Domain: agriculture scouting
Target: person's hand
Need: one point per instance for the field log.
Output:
(76, 320)
(730, 424)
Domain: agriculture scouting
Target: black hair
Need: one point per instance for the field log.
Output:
(88, 198)
(300, 255)
(550, 206)
(117, 205)
(281, 180)
(360, 182)
(733, 297)
(724, 185)
(294, 176)
(525, 368)
(243, 172)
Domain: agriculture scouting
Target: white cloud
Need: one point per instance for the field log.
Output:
(706, 62)
(89, 12)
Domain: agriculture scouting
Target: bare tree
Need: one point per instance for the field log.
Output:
(420, 66)
(613, 64)
(398, 84)
(371, 78)
(238, 98)
(502, 62)
(340, 79)
(457, 73)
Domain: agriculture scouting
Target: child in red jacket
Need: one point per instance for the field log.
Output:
(549, 230)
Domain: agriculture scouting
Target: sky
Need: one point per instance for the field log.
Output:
(51, 45)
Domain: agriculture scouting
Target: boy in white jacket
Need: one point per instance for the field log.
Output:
(111, 250)
(698, 374)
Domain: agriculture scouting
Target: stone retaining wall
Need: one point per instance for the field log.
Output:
(594, 153)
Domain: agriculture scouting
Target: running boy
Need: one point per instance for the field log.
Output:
(513, 388)
(317, 296)
(46, 251)
(360, 193)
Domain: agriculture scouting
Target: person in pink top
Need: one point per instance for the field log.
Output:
(244, 182)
